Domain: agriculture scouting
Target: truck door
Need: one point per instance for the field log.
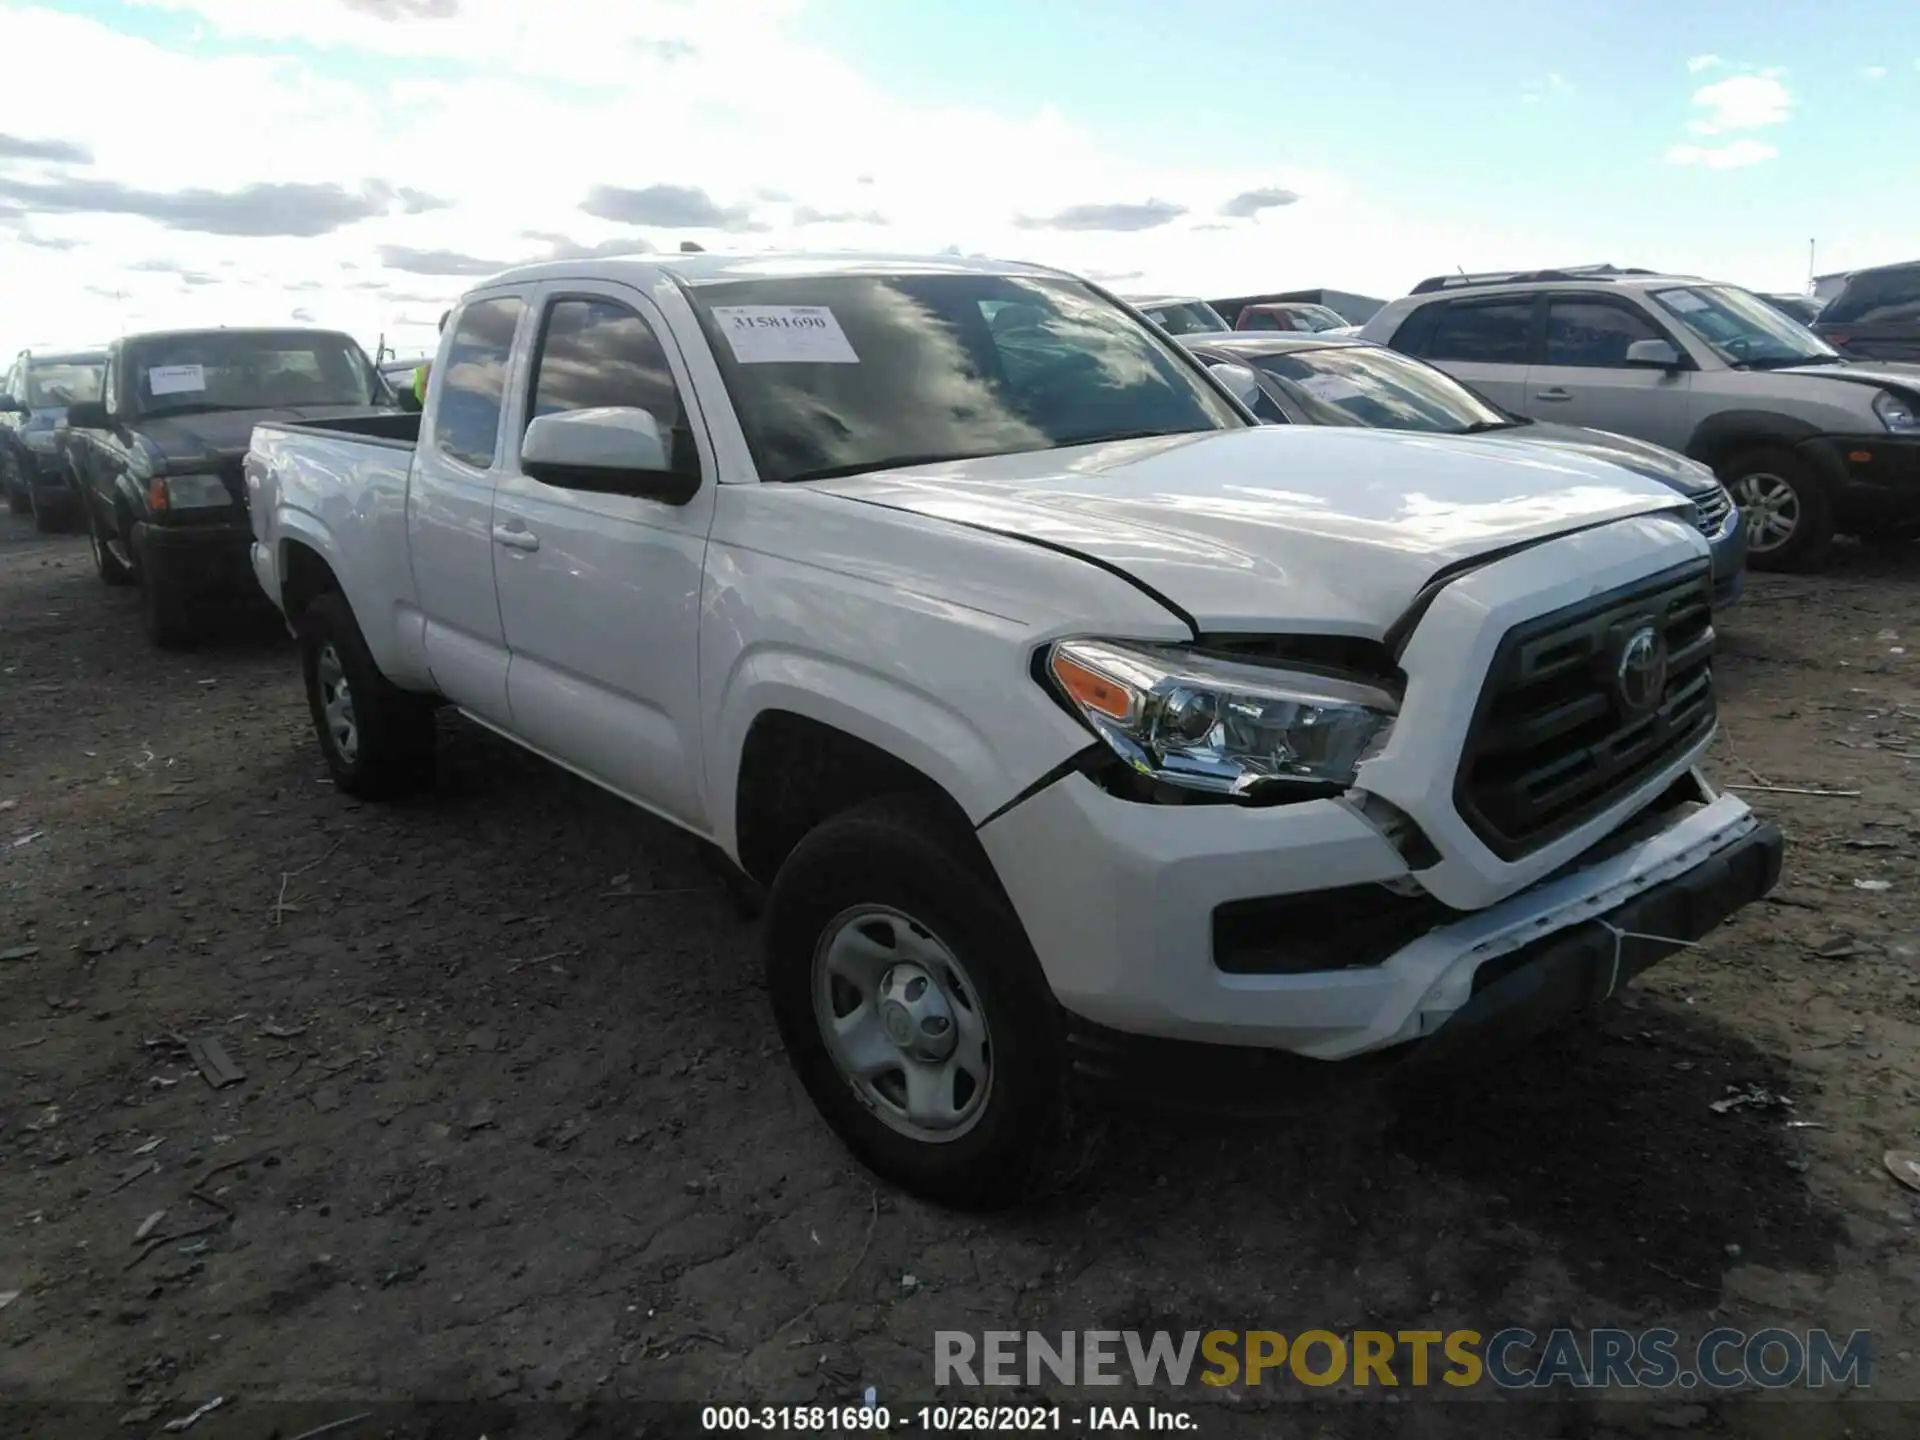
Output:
(600, 593)
(450, 506)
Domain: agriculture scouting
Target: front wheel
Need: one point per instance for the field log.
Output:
(111, 569)
(377, 738)
(164, 609)
(1785, 508)
(912, 1007)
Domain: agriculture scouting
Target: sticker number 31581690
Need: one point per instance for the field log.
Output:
(784, 334)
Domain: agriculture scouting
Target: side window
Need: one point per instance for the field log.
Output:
(1262, 320)
(1489, 332)
(1594, 333)
(596, 353)
(467, 424)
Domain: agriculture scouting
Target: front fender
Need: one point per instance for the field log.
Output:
(1719, 436)
(908, 724)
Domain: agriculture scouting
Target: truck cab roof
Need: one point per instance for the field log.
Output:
(709, 267)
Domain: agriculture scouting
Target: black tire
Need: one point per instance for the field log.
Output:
(109, 569)
(17, 503)
(389, 750)
(164, 611)
(44, 520)
(1766, 474)
(902, 853)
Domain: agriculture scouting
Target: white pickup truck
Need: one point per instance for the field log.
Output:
(1051, 698)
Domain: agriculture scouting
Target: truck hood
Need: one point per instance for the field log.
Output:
(1328, 530)
(1656, 462)
(223, 435)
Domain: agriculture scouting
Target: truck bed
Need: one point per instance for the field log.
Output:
(394, 428)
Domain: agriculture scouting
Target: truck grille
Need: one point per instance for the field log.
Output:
(1711, 513)
(1569, 722)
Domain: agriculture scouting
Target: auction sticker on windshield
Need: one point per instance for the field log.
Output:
(176, 379)
(784, 334)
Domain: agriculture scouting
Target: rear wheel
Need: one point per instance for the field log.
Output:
(377, 738)
(45, 520)
(912, 1007)
(1785, 508)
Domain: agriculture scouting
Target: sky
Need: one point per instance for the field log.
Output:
(359, 163)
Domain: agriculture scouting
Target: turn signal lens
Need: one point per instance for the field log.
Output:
(1089, 688)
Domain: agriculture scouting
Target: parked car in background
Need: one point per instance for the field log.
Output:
(159, 455)
(34, 397)
(1179, 314)
(1876, 315)
(399, 377)
(1803, 308)
(1054, 699)
(1326, 380)
(1809, 443)
(1289, 315)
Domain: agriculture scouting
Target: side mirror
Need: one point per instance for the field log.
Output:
(88, 415)
(1239, 379)
(1657, 354)
(11, 406)
(612, 450)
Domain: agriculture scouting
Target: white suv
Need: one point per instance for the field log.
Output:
(1810, 443)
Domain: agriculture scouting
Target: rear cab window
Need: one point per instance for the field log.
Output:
(466, 424)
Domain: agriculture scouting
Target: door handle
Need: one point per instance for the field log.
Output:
(1556, 393)
(516, 539)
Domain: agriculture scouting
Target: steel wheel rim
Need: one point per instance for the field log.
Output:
(336, 704)
(1770, 508)
(902, 1021)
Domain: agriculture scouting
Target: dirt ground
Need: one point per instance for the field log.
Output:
(514, 1125)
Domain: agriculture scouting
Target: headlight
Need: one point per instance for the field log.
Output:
(1895, 413)
(1221, 726)
(196, 492)
(41, 440)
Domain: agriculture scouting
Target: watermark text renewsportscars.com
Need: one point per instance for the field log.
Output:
(1508, 1359)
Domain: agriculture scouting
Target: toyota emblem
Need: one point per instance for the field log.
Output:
(1640, 676)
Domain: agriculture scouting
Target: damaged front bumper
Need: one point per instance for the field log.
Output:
(1122, 902)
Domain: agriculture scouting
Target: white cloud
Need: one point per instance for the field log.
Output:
(1722, 157)
(1703, 62)
(1538, 90)
(1875, 72)
(1743, 102)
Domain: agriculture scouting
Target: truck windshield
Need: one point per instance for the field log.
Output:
(1742, 328)
(833, 375)
(247, 370)
(54, 383)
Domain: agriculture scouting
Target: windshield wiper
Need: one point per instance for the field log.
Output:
(1482, 427)
(891, 462)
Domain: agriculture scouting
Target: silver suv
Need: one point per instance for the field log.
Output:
(1810, 443)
